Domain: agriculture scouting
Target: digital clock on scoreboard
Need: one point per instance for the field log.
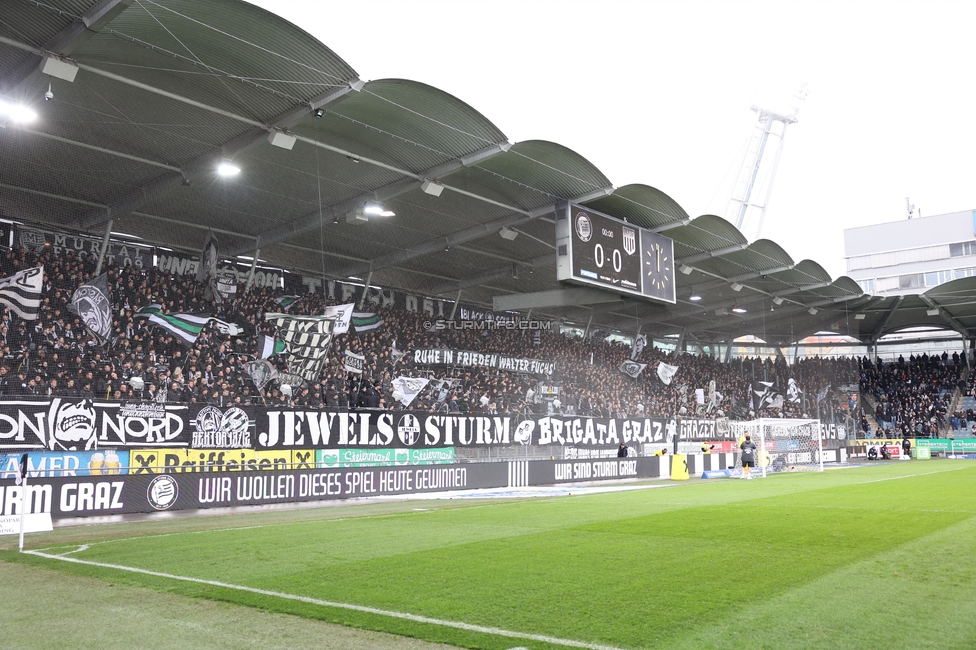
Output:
(600, 251)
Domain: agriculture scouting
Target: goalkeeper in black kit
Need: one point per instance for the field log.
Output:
(749, 450)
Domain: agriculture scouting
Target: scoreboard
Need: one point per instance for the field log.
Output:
(599, 251)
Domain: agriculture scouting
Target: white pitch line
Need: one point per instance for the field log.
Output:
(895, 478)
(468, 627)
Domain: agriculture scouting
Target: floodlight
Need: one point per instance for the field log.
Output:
(228, 169)
(860, 316)
(777, 300)
(736, 286)
(932, 312)
(17, 112)
(508, 233)
(377, 210)
(739, 310)
(684, 268)
(813, 311)
(319, 114)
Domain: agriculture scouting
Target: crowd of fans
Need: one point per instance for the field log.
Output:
(912, 397)
(55, 355)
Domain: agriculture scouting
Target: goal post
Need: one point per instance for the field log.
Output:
(784, 444)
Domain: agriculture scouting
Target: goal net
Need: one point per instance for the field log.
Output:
(784, 445)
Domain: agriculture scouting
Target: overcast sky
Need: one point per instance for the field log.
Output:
(660, 93)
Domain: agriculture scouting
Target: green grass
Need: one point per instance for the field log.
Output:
(859, 558)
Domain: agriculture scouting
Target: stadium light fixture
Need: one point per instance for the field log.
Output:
(738, 310)
(508, 233)
(17, 113)
(777, 300)
(813, 311)
(684, 268)
(736, 286)
(431, 187)
(377, 210)
(695, 296)
(228, 169)
(932, 312)
(860, 316)
(282, 139)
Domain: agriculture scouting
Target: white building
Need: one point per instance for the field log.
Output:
(912, 255)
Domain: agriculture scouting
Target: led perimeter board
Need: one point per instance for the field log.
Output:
(599, 251)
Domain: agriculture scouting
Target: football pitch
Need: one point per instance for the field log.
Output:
(868, 557)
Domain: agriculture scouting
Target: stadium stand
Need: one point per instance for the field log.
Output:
(55, 355)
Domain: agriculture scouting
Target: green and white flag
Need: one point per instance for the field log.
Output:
(365, 321)
(268, 346)
(186, 327)
(287, 301)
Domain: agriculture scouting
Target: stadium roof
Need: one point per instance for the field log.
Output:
(166, 90)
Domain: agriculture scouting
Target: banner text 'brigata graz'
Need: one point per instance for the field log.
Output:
(61, 424)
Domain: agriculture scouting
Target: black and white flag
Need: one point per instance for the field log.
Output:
(635, 350)
(225, 288)
(396, 355)
(793, 391)
(632, 369)
(666, 372)
(343, 316)
(308, 339)
(767, 397)
(208, 259)
(91, 303)
(822, 395)
(261, 372)
(21, 292)
(353, 362)
(405, 389)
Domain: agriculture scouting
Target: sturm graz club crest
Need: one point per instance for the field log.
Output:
(162, 492)
(584, 227)
(408, 429)
(630, 240)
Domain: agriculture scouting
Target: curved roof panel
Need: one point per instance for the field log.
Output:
(646, 206)
(705, 234)
(548, 167)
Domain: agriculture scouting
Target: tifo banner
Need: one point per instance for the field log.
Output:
(468, 359)
(61, 424)
(121, 253)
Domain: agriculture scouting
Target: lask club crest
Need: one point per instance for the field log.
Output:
(630, 240)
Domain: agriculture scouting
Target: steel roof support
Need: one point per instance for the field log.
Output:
(69, 39)
(950, 320)
(876, 334)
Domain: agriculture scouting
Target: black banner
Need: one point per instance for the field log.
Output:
(87, 496)
(61, 424)
(468, 359)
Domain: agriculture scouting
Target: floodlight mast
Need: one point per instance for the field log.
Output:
(741, 201)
